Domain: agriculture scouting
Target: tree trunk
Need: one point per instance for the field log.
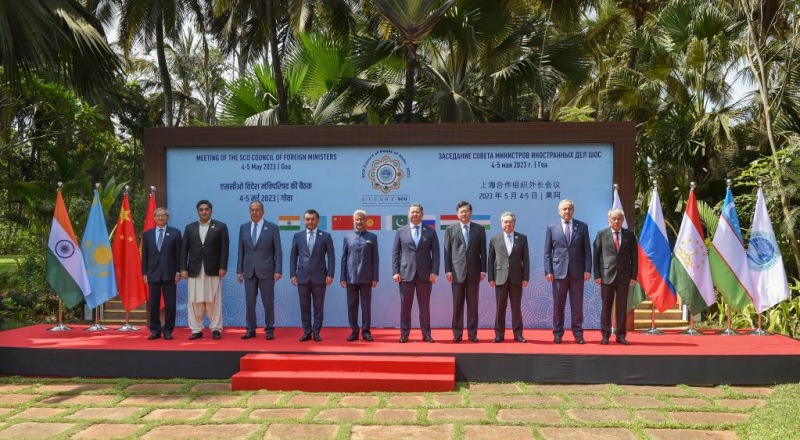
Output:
(408, 98)
(163, 70)
(283, 106)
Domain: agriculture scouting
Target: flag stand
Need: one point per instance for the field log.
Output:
(691, 331)
(652, 330)
(759, 331)
(97, 327)
(728, 330)
(60, 327)
(128, 327)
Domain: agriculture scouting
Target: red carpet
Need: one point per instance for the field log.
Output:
(333, 342)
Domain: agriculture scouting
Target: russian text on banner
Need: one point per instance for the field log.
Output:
(98, 257)
(655, 257)
(127, 263)
(64, 269)
(766, 262)
(690, 272)
(729, 269)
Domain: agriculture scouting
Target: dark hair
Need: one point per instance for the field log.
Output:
(462, 204)
(205, 202)
(312, 212)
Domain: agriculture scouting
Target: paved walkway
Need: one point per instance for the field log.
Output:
(50, 408)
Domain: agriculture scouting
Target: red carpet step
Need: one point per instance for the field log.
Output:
(345, 373)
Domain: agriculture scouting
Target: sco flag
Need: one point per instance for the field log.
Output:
(729, 268)
(766, 263)
(98, 257)
(64, 270)
(654, 258)
(690, 272)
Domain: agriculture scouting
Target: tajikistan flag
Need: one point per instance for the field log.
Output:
(766, 263)
(65, 270)
(690, 272)
(729, 268)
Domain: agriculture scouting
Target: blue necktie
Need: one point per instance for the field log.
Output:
(466, 235)
(160, 240)
(254, 234)
(416, 235)
(310, 242)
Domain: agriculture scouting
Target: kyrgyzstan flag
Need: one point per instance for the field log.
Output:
(127, 263)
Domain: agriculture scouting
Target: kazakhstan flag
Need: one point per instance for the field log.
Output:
(97, 257)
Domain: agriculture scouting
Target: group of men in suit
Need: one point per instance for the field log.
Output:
(201, 257)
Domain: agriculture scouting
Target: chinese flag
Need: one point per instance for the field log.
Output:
(342, 223)
(373, 223)
(127, 263)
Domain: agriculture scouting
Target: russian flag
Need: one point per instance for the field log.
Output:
(655, 258)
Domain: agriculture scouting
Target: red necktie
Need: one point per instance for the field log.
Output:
(616, 240)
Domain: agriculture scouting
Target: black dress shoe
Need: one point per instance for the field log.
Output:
(154, 335)
(520, 339)
(497, 339)
(352, 337)
(457, 339)
(473, 339)
(623, 341)
(216, 335)
(317, 338)
(367, 337)
(557, 339)
(305, 337)
(195, 336)
(403, 339)
(250, 334)
(428, 339)
(604, 341)
(168, 336)
(580, 340)
(270, 336)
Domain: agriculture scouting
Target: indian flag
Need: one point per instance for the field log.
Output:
(689, 271)
(289, 222)
(729, 268)
(65, 270)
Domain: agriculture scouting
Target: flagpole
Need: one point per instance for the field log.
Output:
(60, 327)
(759, 331)
(96, 327)
(127, 327)
(614, 308)
(691, 331)
(728, 331)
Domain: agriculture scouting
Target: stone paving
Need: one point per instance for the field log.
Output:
(52, 408)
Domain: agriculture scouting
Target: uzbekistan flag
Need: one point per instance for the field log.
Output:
(690, 272)
(289, 222)
(766, 263)
(483, 220)
(97, 257)
(729, 269)
(654, 258)
(64, 268)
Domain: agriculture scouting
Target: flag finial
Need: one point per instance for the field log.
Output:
(97, 187)
(60, 184)
(760, 183)
(729, 182)
(616, 187)
(152, 189)
(655, 183)
(693, 185)
(127, 187)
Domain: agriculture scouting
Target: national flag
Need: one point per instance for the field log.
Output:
(127, 263)
(766, 263)
(635, 293)
(395, 222)
(289, 222)
(429, 221)
(342, 223)
(690, 272)
(654, 258)
(98, 257)
(64, 268)
(729, 269)
(446, 220)
(483, 220)
(323, 223)
(617, 204)
(373, 223)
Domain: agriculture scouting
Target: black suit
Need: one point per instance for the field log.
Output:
(161, 268)
(465, 262)
(508, 271)
(211, 255)
(615, 268)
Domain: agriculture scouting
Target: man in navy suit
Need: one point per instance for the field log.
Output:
(360, 274)
(615, 269)
(509, 272)
(312, 266)
(259, 265)
(161, 251)
(415, 265)
(465, 268)
(567, 264)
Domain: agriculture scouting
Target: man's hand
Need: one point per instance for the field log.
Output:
(329, 280)
(278, 276)
(240, 277)
(293, 280)
(184, 274)
(549, 278)
(587, 276)
(396, 277)
(222, 273)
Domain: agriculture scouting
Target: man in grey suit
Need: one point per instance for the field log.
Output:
(259, 265)
(360, 266)
(615, 269)
(312, 265)
(161, 259)
(415, 266)
(465, 268)
(509, 272)
(567, 264)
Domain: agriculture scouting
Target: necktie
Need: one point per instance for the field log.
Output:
(509, 244)
(160, 240)
(567, 232)
(616, 240)
(254, 234)
(310, 241)
(416, 235)
(466, 235)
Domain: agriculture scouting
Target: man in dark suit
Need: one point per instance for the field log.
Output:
(204, 262)
(465, 268)
(360, 266)
(567, 264)
(312, 267)
(415, 265)
(259, 265)
(615, 268)
(161, 250)
(509, 272)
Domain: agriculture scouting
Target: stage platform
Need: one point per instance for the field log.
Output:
(661, 360)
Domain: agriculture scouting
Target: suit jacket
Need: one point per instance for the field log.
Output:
(514, 268)
(211, 255)
(312, 267)
(360, 261)
(164, 264)
(610, 264)
(465, 263)
(265, 258)
(562, 259)
(421, 260)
